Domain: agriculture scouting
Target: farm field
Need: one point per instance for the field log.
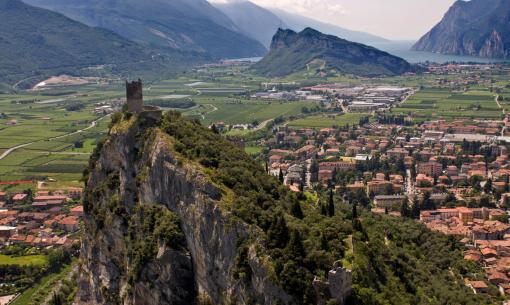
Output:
(242, 111)
(47, 124)
(437, 102)
(327, 121)
(54, 150)
(58, 153)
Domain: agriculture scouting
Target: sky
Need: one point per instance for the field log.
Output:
(391, 19)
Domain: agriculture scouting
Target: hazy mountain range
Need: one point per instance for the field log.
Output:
(189, 25)
(475, 28)
(261, 23)
(35, 41)
(132, 35)
(292, 52)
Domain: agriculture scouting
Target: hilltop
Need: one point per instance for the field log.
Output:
(293, 52)
(473, 28)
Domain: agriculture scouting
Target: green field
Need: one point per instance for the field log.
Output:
(242, 111)
(59, 153)
(23, 260)
(327, 121)
(445, 103)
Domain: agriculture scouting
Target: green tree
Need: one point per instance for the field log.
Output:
(296, 210)
(280, 176)
(324, 242)
(416, 210)
(404, 209)
(314, 171)
(295, 247)
(331, 204)
(278, 232)
(487, 188)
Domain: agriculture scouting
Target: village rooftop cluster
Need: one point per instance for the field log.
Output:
(451, 175)
(42, 219)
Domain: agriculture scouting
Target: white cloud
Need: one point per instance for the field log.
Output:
(300, 6)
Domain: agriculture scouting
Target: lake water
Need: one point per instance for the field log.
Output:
(403, 49)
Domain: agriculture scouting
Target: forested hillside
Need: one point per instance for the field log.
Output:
(235, 218)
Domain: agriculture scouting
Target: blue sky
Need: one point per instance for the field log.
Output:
(392, 19)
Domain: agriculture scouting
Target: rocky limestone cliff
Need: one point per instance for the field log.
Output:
(471, 28)
(136, 183)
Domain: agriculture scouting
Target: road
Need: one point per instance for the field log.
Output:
(504, 113)
(10, 150)
(262, 125)
(410, 186)
(209, 112)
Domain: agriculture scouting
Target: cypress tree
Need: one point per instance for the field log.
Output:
(404, 210)
(331, 204)
(324, 242)
(296, 210)
(416, 210)
(324, 211)
(295, 246)
(280, 176)
(278, 233)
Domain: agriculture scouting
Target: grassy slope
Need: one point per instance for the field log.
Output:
(23, 260)
(40, 291)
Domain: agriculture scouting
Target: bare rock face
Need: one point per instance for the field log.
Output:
(130, 257)
(471, 28)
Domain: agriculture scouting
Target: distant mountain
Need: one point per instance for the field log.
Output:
(475, 28)
(35, 42)
(187, 25)
(257, 22)
(261, 23)
(293, 52)
(299, 23)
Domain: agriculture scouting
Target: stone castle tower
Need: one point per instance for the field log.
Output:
(134, 96)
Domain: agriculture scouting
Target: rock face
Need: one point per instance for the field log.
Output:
(126, 261)
(309, 49)
(471, 28)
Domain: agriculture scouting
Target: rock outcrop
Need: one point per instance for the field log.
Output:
(293, 52)
(139, 191)
(471, 28)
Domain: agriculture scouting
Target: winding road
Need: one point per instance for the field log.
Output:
(12, 149)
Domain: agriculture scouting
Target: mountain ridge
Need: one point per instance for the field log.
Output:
(192, 25)
(36, 41)
(473, 28)
(256, 21)
(262, 22)
(291, 52)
